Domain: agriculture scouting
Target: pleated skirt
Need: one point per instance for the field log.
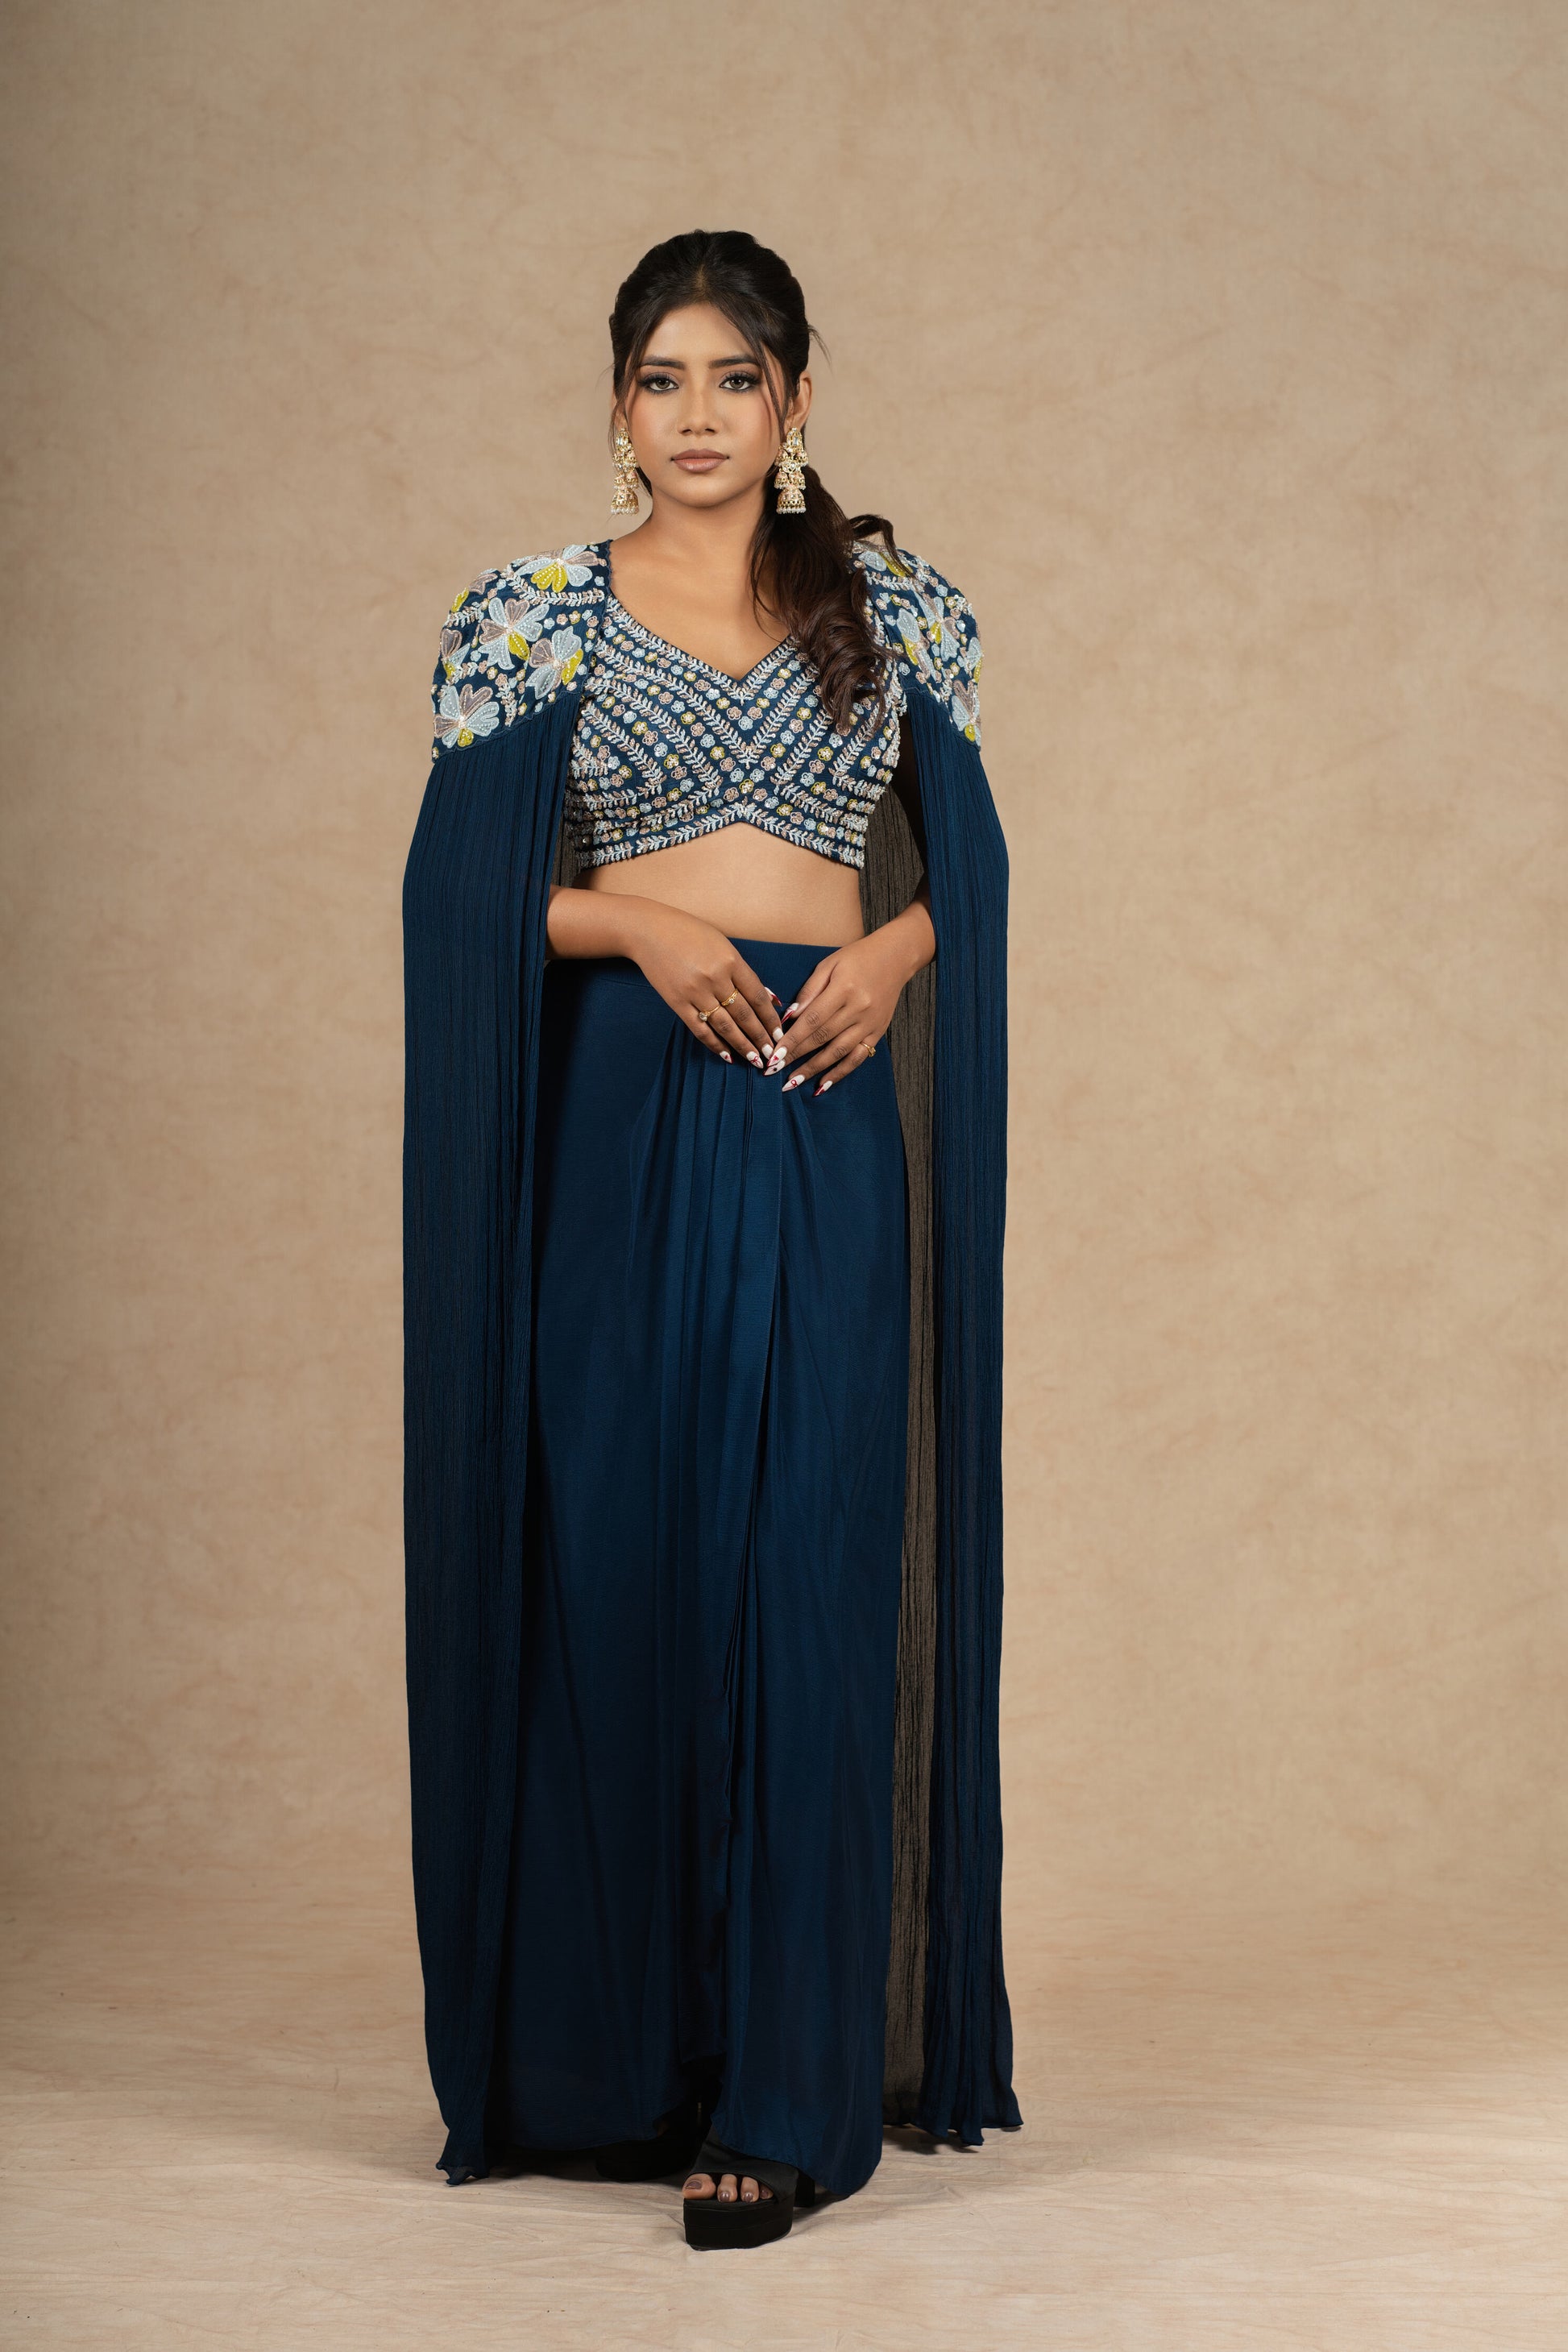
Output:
(700, 1874)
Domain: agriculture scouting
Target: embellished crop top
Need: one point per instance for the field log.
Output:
(664, 747)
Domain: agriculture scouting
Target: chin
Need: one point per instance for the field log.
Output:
(707, 489)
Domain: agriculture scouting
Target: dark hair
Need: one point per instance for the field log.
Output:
(814, 585)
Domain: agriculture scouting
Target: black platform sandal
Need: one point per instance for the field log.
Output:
(711, 2223)
(671, 2148)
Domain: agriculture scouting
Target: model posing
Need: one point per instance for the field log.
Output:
(704, 1313)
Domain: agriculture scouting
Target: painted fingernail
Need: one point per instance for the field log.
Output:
(775, 1064)
(752, 1056)
(778, 1037)
(798, 1079)
(723, 1056)
(821, 1088)
(789, 1009)
(772, 992)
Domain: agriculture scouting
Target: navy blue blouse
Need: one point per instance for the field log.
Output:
(664, 747)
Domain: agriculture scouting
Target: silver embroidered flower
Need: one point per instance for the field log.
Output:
(908, 623)
(945, 637)
(553, 661)
(509, 625)
(964, 704)
(464, 713)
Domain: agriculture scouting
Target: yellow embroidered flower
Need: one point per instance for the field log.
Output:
(908, 623)
(551, 573)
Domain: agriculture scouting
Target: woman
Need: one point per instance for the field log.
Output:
(702, 1313)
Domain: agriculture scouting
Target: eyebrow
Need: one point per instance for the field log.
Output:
(736, 359)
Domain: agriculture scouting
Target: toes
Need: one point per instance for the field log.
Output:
(727, 2190)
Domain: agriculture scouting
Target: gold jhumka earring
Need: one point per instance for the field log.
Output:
(625, 501)
(790, 479)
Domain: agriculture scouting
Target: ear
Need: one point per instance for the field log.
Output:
(800, 406)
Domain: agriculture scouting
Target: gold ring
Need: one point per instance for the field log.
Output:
(726, 1000)
(709, 1015)
(869, 1047)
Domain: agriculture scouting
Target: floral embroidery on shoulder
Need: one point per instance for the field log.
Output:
(928, 627)
(513, 639)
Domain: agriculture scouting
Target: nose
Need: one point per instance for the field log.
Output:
(699, 404)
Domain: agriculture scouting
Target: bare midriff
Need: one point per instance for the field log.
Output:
(748, 883)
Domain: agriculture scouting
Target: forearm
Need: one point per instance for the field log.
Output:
(597, 922)
(912, 934)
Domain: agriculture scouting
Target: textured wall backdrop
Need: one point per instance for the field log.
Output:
(1217, 352)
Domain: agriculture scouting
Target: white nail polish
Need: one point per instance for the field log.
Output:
(795, 1081)
(752, 1056)
(821, 1089)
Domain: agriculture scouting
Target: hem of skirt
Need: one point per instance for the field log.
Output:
(460, 2163)
(968, 2130)
(463, 2159)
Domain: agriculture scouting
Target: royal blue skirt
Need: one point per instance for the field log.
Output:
(700, 1879)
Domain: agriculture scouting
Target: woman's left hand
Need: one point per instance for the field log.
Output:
(847, 1004)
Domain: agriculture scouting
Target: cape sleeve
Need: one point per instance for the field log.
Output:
(950, 2033)
(476, 893)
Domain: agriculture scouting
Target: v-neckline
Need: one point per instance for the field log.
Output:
(642, 630)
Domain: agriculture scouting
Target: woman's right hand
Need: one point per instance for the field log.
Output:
(694, 966)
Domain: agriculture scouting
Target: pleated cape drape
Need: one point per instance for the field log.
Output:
(488, 845)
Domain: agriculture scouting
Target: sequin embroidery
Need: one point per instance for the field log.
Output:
(665, 747)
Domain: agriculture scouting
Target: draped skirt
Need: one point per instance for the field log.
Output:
(700, 1872)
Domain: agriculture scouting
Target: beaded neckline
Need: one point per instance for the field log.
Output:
(650, 637)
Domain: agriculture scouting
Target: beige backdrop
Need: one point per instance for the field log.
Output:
(1217, 352)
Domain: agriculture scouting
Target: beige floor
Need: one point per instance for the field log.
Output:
(1242, 2132)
